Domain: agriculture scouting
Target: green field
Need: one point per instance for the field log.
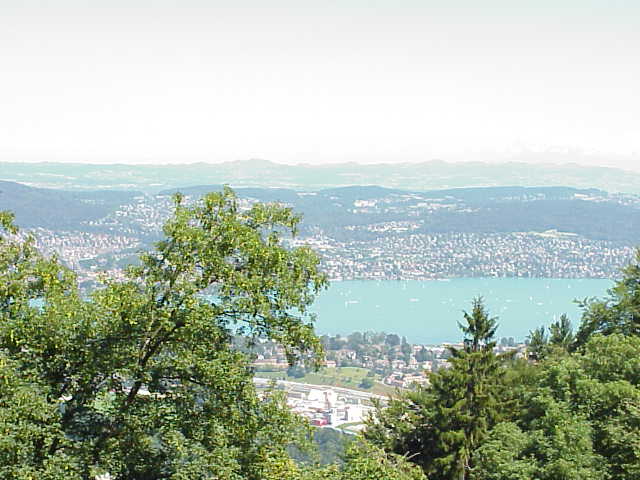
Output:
(345, 377)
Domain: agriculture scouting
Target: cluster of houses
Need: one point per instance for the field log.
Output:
(426, 256)
(395, 368)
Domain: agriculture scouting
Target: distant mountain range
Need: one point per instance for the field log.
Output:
(431, 175)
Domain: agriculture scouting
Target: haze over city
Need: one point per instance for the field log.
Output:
(320, 82)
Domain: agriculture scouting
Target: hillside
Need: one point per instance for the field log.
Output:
(367, 232)
(353, 212)
(59, 209)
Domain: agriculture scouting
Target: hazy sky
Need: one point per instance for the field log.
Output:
(318, 81)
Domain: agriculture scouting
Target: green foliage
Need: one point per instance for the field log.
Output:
(327, 447)
(296, 371)
(559, 340)
(612, 358)
(144, 380)
(556, 445)
(441, 426)
(561, 332)
(392, 340)
(466, 400)
(561, 442)
(617, 313)
(537, 343)
(6, 222)
(565, 416)
(503, 455)
(141, 380)
(28, 428)
(366, 383)
(365, 462)
(577, 416)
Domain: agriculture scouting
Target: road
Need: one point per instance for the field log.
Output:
(306, 387)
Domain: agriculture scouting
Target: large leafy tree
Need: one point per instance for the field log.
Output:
(578, 417)
(363, 461)
(140, 379)
(619, 312)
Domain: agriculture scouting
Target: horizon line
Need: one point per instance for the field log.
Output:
(504, 161)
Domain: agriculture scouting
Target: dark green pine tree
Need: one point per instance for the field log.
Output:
(466, 403)
(440, 427)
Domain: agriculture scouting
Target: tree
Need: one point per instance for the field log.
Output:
(423, 355)
(537, 343)
(406, 350)
(581, 411)
(561, 332)
(467, 406)
(326, 447)
(296, 371)
(503, 455)
(392, 340)
(355, 340)
(617, 313)
(363, 461)
(440, 427)
(557, 444)
(336, 343)
(479, 330)
(140, 380)
(27, 428)
(366, 383)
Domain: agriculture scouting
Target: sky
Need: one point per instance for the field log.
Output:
(143, 81)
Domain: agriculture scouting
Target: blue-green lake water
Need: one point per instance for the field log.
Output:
(428, 311)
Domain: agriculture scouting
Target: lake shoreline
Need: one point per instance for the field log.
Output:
(428, 311)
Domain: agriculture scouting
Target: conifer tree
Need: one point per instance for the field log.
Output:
(441, 426)
(467, 405)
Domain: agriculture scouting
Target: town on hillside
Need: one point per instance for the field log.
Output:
(358, 369)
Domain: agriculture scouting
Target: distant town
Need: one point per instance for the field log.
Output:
(548, 254)
(367, 249)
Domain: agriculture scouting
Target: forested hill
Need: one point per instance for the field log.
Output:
(364, 212)
(59, 209)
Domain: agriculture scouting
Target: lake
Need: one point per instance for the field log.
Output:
(428, 311)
